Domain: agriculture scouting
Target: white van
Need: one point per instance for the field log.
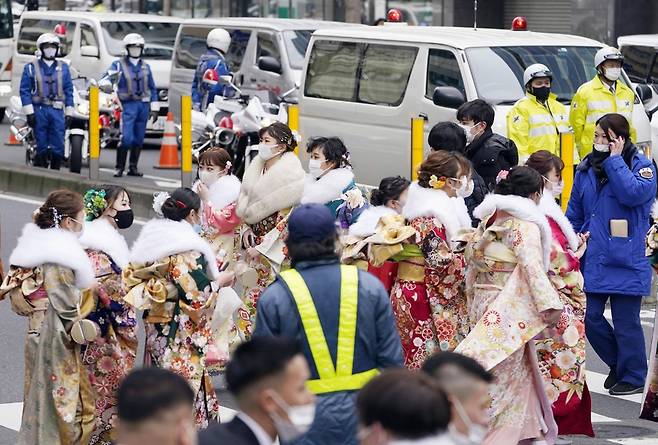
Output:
(265, 54)
(365, 85)
(92, 41)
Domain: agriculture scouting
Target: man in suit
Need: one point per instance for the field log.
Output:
(267, 376)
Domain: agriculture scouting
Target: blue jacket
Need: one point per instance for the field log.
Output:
(377, 341)
(144, 89)
(28, 88)
(615, 265)
(212, 58)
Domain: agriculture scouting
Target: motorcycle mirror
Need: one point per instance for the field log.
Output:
(93, 83)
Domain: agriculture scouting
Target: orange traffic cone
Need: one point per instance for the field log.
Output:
(169, 148)
(12, 139)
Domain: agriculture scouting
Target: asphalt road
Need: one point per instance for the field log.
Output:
(615, 418)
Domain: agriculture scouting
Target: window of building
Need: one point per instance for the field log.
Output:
(443, 71)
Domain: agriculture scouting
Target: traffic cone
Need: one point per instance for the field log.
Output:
(169, 148)
(12, 139)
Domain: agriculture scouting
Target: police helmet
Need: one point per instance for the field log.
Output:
(219, 39)
(535, 71)
(133, 39)
(47, 38)
(607, 53)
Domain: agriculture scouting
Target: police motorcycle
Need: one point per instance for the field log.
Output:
(19, 128)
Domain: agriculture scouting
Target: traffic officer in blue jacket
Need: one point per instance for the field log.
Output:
(138, 96)
(614, 189)
(47, 97)
(342, 316)
(205, 86)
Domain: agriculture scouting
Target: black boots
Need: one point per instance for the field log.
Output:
(122, 155)
(55, 162)
(134, 159)
(40, 160)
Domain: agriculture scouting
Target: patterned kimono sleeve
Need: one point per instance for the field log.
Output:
(198, 297)
(223, 220)
(436, 251)
(63, 296)
(524, 240)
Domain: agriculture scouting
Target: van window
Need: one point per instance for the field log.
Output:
(331, 71)
(385, 73)
(31, 29)
(640, 63)
(237, 49)
(296, 43)
(192, 44)
(267, 47)
(6, 20)
(443, 71)
(87, 36)
(159, 37)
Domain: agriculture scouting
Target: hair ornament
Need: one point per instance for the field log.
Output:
(227, 168)
(57, 218)
(159, 199)
(95, 203)
(437, 183)
(502, 175)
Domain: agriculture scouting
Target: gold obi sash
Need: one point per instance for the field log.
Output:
(411, 263)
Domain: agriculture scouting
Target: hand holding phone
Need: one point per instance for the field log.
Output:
(616, 143)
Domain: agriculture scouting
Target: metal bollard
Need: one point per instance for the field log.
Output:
(94, 135)
(417, 155)
(186, 141)
(566, 153)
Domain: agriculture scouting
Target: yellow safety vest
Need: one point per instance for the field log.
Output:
(594, 100)
(533, 126)
(341, 377)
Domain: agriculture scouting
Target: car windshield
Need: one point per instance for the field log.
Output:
(159, 37)
(640, 64)
(498, 71)
(296, 43)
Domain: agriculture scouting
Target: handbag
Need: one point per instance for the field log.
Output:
(83, 330)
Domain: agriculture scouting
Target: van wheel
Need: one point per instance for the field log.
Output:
(75, 157)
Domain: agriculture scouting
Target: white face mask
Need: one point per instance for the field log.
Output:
(82, 228)
(315, 168)
(300, 419)
(267, 151)
(476, 433)
(612, 74)
(208, 178)
(135, 52)
(49, 53)
(465, 188)
(603, 148)
(469, 132)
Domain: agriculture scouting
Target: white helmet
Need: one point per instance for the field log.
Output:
(534, 71)
(607, 53)
(133, 39)
(47, 38)
(219, 39)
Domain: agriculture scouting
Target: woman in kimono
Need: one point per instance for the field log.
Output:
(272, 185)
(330, 180)
(48, 272)
(173, 277)
(427, 297)
(561, 351)
(511, 300)
(111, 357)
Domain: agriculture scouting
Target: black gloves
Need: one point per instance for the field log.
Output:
(31, 120)
(153, 116)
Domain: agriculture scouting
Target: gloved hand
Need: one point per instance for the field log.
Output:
(31, 120)
(67, 121)
(196, 107)
(153, 116)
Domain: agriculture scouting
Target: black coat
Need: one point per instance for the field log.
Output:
(490, 153)
(235, 432)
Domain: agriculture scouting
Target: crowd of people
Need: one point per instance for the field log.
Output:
(448, 310)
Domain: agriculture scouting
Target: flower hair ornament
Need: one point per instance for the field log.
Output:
(227, 168)
(57, 218)
(437, 183)
(95, 203)
(501, 175)
(159, 199)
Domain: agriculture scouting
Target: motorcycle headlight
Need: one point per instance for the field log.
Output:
(646, 148)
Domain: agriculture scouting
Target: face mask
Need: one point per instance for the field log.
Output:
(602, 148)
(541, 93)
(135, 52)
(82, 228)
(267, 151)
(556, 187)
(315, 168)
(300, 419)
(49, 53)
(612, 74)
(462, 191)
(208, 178)
(470, 136)
(124, 218)
(476, 433)
(470, 185)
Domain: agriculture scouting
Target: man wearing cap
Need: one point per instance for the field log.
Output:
(342, 316)
(604, 94)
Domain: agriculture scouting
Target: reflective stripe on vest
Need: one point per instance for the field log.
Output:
(56, 101)
(127, 74)
(339, 378)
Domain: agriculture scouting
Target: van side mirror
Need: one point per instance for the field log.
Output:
(644, 92)
(449, 97)
(90, 51)
(267, 63)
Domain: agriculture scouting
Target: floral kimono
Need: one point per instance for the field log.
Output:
(48, 269)
(508, 289)
(650, 404)
(561, 350)
(427, 297)
(112, 356)
(265, 202)
(171, 278)
(338, 191)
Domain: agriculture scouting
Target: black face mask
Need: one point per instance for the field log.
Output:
(124, 218)
(541, 93)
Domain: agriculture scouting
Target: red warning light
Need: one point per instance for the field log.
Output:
(394, 15)
(519, 24)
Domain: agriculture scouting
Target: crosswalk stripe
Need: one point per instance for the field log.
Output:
(595, 384)
(635, 441)
(598, 418)
(646, 316)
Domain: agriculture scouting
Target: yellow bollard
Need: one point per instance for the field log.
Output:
(94, 134)
(186, 141)
(417, 154)
(293, 122)
(566, 153)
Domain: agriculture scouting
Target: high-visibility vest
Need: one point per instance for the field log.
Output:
(55, 98)
(534, 126)
(594, 100)
(132, 80)
(340, 377)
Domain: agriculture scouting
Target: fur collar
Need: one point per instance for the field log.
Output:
(224, 191)
(328, 188)
(37, 247)
(366, 225)
(429, 202)
(100, 235)
(521, 208)
(462, 212)
(160, 238)
(279, 188)
(551, 209)
(654, 211)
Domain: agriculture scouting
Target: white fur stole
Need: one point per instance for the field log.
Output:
(328, 188)
(366, 225)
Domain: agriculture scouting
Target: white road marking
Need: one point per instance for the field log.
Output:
(153, 178)
(595, 384)
(649, 314)
(598, 418)
(635, 441)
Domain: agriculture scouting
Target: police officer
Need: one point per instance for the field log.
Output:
(206, 86)
(342, 316)
(137, 93)
(605, 93)
(536, 120)
(47, 96)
